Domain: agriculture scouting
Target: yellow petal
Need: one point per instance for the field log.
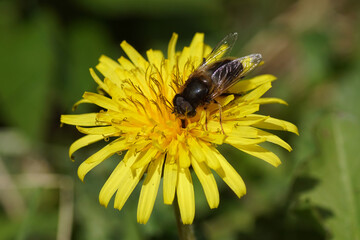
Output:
(257, 93)
(230, 176)
(225, 100)
(207, 181)
(270, 100)
(237, 112)
(81, 101)
(235, 140)
(173, 147)
(126, 64)
(184, 159)
(110, 117)
(207, 50)
(170, 179)
(185, 196)
(117, 178)
(211, 159)
(155, 57)
(108, 68)
(145, 157)
(128, 183)
(171, 51)
(215, 136)
(243, 131)
(274, 124)
(197, 48)
(86, 119)
(98, 80)
(109, 62)
(82, 142)
(214, 128)
(116, 92)
(101, 101)
(134, 56)
(274, 139)
(246, 121)
(261, 153)
(184, 59)
(250, 84)
(195, 149)
(149, 190)
(100, 156)
(103, 131)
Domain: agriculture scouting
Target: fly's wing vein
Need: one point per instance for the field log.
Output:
(226, 76)
(222, 49)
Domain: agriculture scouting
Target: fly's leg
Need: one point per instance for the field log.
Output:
(183, 123)
(206, 116)
(220, 115)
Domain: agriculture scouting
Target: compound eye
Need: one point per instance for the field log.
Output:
(187, 109)
(183, 107)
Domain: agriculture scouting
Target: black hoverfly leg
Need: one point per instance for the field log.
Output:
(206, 118)
(220, 116)
(183, 123)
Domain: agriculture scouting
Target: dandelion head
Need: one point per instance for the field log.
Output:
(136, 95)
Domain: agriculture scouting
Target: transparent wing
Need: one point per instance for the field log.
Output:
(230, 73)
(221, 50)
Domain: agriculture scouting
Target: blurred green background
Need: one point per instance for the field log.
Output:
(313, 47)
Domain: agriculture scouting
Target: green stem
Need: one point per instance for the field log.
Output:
(186, 231)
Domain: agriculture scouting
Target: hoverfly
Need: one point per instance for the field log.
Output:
(213, 78)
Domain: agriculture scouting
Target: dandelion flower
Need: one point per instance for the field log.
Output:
(136, 97)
